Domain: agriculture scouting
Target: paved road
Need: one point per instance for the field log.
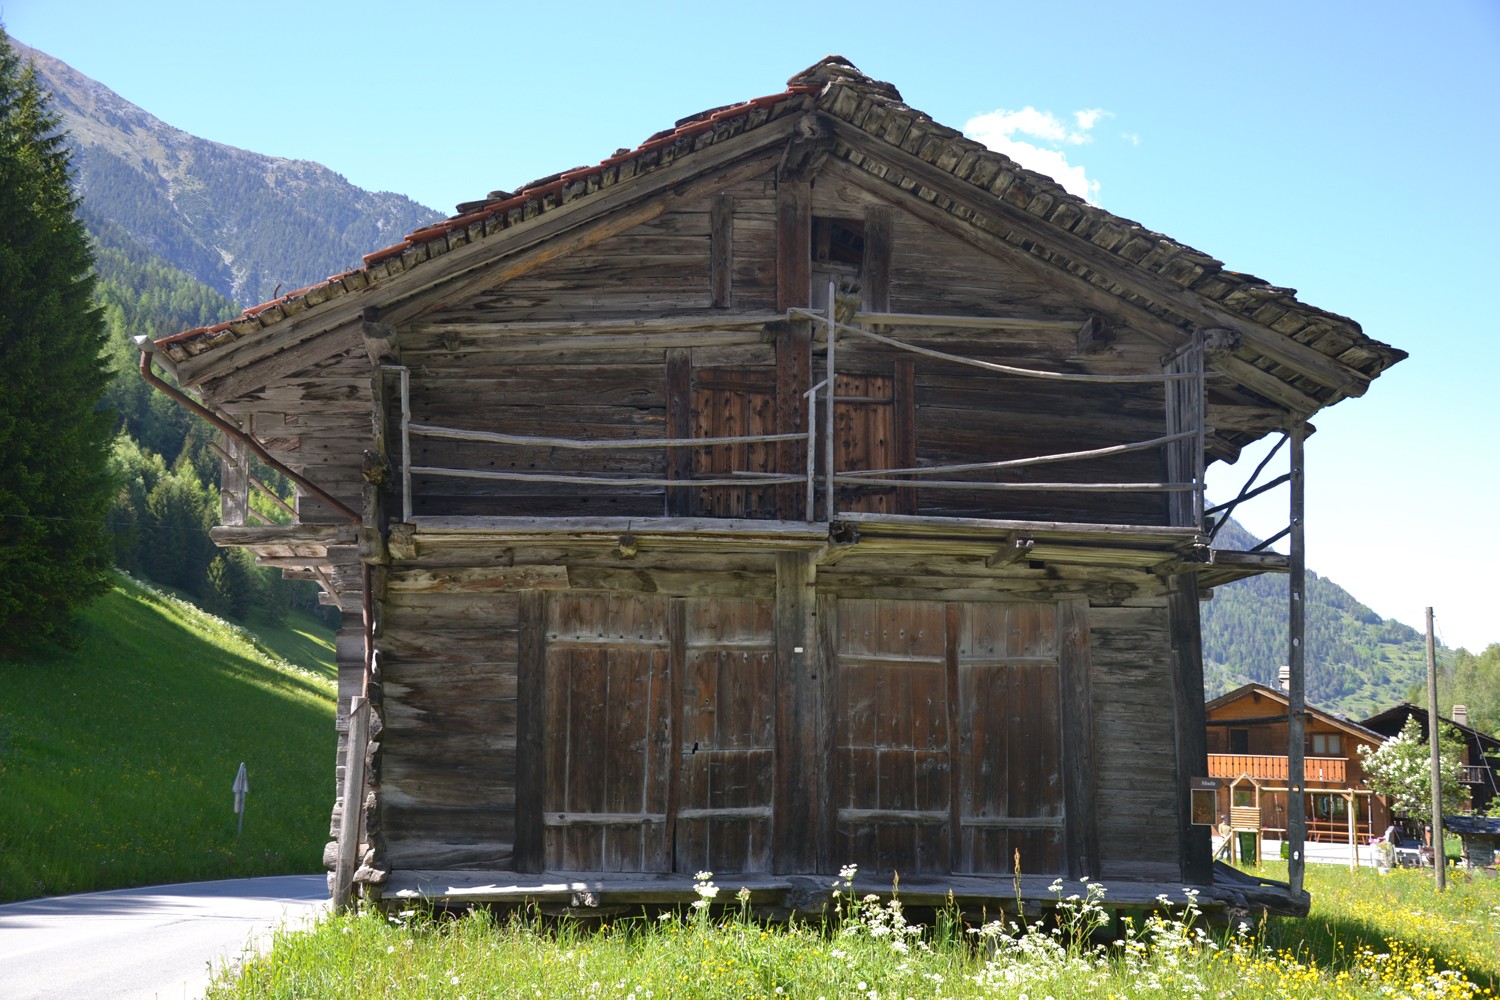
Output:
(157, 943)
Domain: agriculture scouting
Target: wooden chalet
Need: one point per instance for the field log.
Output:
(1481, 750)
(1248, 754)
(806, 486)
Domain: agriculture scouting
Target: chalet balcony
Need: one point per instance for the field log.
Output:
(1471, 775)
(1263, 767)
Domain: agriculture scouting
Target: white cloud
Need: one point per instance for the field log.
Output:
(1036, 140)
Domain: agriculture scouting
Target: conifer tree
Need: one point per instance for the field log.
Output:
(55, 437)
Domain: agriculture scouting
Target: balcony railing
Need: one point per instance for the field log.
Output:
(1263, 767)
(1476, 776)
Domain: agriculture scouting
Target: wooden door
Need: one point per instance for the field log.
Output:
(949, 740)
(1010, 776)
(734, 403)
(894, 758)
(727, 746)
(865, 437)
(608, 724)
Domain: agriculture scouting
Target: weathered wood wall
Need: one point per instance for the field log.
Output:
(941, 705)
(515, 360)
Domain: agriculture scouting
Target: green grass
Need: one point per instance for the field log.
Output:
(1368, 936)
(117, 759)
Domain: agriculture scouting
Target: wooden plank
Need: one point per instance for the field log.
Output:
(721, 250)
(800, 797)
(531, 732)
(793, 374)
(1189, 715)
(875, 273)
(679, 502)
(1075, 681)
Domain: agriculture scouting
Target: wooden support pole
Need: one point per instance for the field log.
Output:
(351, 816)
(1192, 729)
(1439, 859)
(1296, 805)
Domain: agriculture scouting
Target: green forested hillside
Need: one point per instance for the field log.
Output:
(1357, 662)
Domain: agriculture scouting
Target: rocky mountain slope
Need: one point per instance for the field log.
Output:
(242, 223)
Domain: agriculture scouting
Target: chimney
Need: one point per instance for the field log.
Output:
(1286, 678)
(1460, 714)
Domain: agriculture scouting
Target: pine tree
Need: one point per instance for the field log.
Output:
(55, 437)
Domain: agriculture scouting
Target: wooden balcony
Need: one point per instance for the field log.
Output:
(1261, 767)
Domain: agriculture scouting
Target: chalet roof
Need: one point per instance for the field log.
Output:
(1295, 355)
(1393, 720)
(1352, 728)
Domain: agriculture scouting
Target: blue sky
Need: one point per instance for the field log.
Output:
(1346, 149)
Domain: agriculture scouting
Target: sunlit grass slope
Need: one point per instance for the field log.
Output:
(117, 760)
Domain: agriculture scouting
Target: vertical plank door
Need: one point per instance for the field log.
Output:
(609, 729)
(893, 767)
(1010, 776)
(725, 789)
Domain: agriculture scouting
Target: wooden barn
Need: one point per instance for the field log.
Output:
(806, 486)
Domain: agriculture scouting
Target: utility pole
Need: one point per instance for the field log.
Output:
(1439, 858)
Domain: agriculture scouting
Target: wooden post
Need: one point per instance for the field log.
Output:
(801, 794)
(1296, 806)
(680, 500)
(1192, 728)
(721, 250)
(529, 851)
(1351, 811)
(1080, 763)
(351, 817)
(794, 338)
(1439, 859)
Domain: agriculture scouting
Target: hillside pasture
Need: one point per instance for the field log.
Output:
(117, 759)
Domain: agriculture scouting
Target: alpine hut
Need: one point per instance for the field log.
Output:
(807, 486)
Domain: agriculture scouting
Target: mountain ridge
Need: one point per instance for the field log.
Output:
(246, 224)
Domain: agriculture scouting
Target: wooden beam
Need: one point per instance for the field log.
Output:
(1095, 335)
(721, 250)
(680, 502)
(793, 245)
(1263, 383)
(1016, 548)
(380, 339)
(676, 322)
(800, 797)
(529, 853)
(1189, 715)
(1080, 759)
(875, 273)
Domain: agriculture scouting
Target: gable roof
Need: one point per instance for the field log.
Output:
(1296, 356)
(1246, 690)
(1393, 720)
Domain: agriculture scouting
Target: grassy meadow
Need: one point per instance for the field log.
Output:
(1368, 936)
(117, 759)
